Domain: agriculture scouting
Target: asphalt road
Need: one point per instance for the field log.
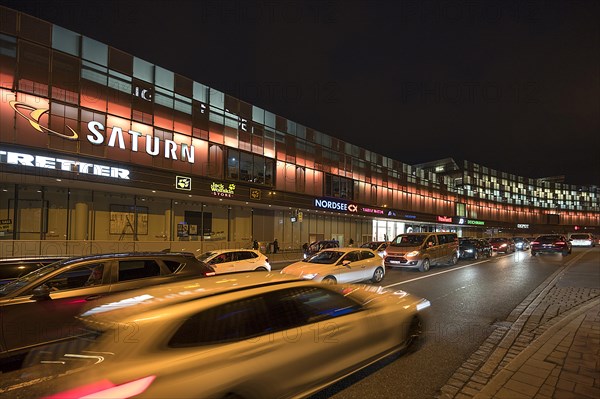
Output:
(466, 301)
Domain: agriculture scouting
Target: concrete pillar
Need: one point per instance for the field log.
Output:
(167, 227)
(81, 221)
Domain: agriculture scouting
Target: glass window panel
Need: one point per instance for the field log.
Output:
(270, 119)
(143, 70)
(217, 99)
(258, 115)
(65, 40)
(233, 163)
(164, 78)
(200, 92)
(8, 46)
(95, 51)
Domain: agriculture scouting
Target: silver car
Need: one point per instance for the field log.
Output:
(340, 265)
(41, 306)
(250, 335)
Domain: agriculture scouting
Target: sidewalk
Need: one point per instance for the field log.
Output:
(549, 346)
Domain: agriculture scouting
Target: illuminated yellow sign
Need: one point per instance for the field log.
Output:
(219, 190)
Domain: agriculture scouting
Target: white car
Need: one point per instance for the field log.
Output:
(235, 260)
(582, 240)
(340, 265)
(245, 335)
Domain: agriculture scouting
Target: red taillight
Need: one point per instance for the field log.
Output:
(208, 274)
(267, 260)
(535, 242)
(559, 243)
(106, 390)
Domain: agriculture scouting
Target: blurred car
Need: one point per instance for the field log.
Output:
(502, 244)
(473, 248)
(12, 268)
(41, 306)
(235, 260)
(377, 246)
(340, 265)
(582, 240)
(521, 243)
(487, 247)
(317, 246)
(248, 335)
(552, 243)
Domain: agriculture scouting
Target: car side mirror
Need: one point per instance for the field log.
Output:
(41, 293)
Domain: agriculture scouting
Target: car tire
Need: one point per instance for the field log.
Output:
(565, 252)
(533, 253)
(424, 265)
(475, 256)
(260, 269)
(329, 280)
(415, 330)
(378, 275)
(454, 259)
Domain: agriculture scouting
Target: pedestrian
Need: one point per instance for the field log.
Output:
(275, 246)
(255, 245)
(305, 247)
(350, 242)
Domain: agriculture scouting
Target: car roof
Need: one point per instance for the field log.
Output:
(154, 297)
(34, 259)
(163, 255)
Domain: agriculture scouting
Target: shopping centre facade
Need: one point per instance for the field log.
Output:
(103, 151)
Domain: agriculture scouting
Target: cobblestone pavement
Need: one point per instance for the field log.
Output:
(548, 347)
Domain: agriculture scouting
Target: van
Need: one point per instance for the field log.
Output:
(422, 250)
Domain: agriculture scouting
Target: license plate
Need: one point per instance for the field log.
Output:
(396, 262)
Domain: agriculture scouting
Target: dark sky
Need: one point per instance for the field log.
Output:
(513, 85)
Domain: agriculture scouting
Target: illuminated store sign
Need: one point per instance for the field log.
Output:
(409, 216)
(183, 183)
(144, 94)
(372, 210)
(444, 219)
(463, 221)
(152, 145)
(333, 205)
(522, 225)
(65, 165)
(476, 222)
(219, 190)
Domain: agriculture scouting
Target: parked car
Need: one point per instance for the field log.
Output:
(473, 248)
(582, 240)
(235, 260)
(41, 306)
(553, 243)
(12, 268)
(249, 335)
(487, 247)
(377, 246)
(521, 243)
(502, 244)
(340, 265)
(317, 246)
(421, 250)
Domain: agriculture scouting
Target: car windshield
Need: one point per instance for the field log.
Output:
(205, 256)
(22, 281)
(371, 245)
(326, 257)
(409, 240)
(580, 236)
(492, 240)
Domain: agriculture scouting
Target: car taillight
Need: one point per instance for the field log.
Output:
(106, 390)
(560, 243)
(208, 274)
(535, 242)
(267, 260)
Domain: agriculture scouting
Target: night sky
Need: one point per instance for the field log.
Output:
(512, 85)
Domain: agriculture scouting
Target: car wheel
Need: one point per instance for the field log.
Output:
(475, 256)
(329, 280)
(454, 259)
(533, 253)
(424, 265)
(415, 330)
(378, 275)
(565, 252)
(260, 269)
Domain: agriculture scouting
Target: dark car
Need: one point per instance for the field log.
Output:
(502, 244)
(551, 243)
(473, 248)
(320, 245)
(12, 268)
(377, 246)
(41, 306)
(521, 243)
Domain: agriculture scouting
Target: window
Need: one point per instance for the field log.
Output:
(79, 277)
(243, 255)
(367, 254)
(135, 269)
(351, 256)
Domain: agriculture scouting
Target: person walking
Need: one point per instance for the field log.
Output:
(275, 246)
(255, 245)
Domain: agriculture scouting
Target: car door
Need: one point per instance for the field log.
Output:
(29, 321)
(353, 271)
(432, 249)
(244, 260)
(134, 273)
(223, 263)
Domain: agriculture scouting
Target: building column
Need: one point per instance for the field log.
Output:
(81, 221)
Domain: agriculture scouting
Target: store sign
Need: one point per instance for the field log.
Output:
(410, 217)
(183, 183)
(373, 210)
(444, 219)
(255, 193)
(522, 225)
(144, 94)
(220, 190)
(334, 205)
(476, 222)
(153, 146)
(5, 224)
(65, 165)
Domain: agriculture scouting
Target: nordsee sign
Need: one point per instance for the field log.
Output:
(329, 204)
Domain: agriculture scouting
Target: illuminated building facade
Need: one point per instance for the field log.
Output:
(103, 151)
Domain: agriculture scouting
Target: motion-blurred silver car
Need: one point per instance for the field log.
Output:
(340, 265)
(250, 335)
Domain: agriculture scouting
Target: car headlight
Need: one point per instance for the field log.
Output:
(411, 254)
(469, 250)
(305, 256)
(423, 304)
(503, 245)
(309, 276)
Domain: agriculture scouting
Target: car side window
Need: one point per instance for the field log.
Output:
(222, 258)
(351, 256)
(243, 255)
(173, 265)
(366, 255)
(430, 242)
(230, 322)
(136, 269)
(443, 238)
(77, 277)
